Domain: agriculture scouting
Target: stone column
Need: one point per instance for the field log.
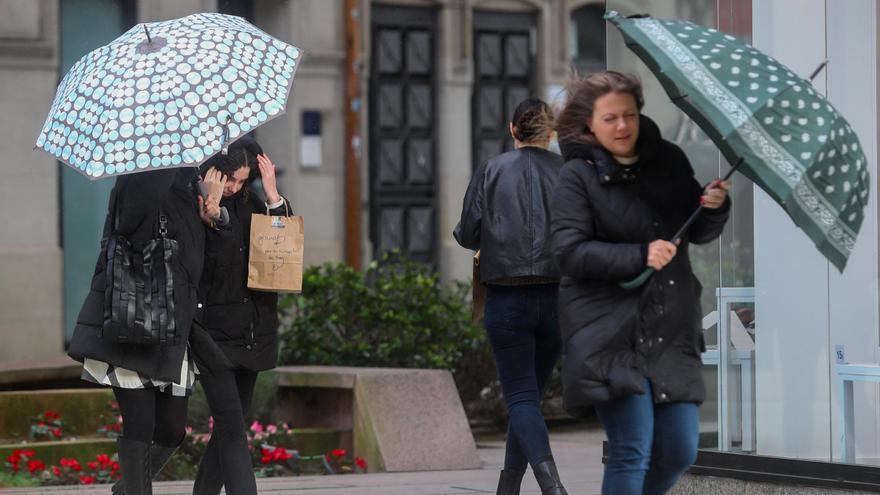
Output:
(455, 87)
(30, 255)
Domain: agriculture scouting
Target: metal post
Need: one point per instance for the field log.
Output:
(353, 48)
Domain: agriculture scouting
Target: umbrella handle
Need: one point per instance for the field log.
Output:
(638, 281)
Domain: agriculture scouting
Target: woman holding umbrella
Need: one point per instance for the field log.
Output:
(150, 106)
(151, 383)
(633, 355)
(242, 322)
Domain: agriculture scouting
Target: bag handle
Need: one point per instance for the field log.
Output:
(286, 209)
(162, 217)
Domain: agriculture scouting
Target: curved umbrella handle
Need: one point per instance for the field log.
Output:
(638, 281)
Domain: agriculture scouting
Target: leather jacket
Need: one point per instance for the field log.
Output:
(506, 215)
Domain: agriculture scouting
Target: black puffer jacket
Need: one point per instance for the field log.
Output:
(140, 196)
(244, 323)
(604, 217)
(506, 215)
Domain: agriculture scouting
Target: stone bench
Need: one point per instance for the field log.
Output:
(53, 373)
(395, 419)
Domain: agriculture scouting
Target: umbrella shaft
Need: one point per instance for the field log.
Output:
(733, 169)
(677, 237)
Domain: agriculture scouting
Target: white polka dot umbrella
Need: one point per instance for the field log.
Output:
(168, 94)
(780, 132)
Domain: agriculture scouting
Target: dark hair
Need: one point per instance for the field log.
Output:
(581, 95)
(241, 153)
(531, 119)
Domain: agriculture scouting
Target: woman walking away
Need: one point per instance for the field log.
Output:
(151, 382)
(634, 355)
(242, 322)
(506, 216)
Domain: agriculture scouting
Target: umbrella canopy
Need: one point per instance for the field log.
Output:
(168, 94)
(786, 137)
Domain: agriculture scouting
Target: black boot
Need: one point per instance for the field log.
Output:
(548, 478)
(509, 482)
(159, 456)
(134, 459)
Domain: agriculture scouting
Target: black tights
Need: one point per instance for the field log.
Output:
(227, 460)
(149, 415)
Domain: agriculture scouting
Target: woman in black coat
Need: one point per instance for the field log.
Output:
(244, 323)
(151, 383)
(505, 215)
(634, 355)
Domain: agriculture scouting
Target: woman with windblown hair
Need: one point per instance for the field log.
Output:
(633, 355)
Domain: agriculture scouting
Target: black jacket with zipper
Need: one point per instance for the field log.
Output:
(244, 323)
(506, 215)
(604, 217)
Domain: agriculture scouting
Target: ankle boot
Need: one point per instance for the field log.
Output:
(509, 482)
(159, 456)
(548, 478)
(134, 459)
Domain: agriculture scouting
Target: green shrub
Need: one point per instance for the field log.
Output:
(395, 314)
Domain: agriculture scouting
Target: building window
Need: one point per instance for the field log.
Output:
(587, 38)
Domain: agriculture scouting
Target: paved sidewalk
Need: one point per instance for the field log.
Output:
(578, 452)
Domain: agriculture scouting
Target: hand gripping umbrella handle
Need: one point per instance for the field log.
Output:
(646, 274)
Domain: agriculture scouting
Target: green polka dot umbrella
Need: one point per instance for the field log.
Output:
(168, 94)
(785, 136)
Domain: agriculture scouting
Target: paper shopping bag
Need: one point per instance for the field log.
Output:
(275, 263)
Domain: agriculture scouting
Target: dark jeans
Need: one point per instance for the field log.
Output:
(649, 445)
(523, 329)
(227, 460)
(152, 416)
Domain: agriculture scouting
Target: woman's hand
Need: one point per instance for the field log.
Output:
(209, 207)
(208, 211)
(267, 175)
(715, 194)
(215, 183)
(660, 253)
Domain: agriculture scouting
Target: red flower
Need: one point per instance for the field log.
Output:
(281, 454)
(266, 459)
(93, 465)
(56, 470)
(71, 463)
(338, 453)
(36, 466)
(361, 463)
(41, 423)
(50, 415)
(86, 480)
(114, 466)
(104, 459)
(13, 458)
(27, 453)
